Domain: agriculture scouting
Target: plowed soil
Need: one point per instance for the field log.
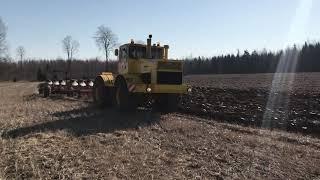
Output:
(243, 99)
(61, 137)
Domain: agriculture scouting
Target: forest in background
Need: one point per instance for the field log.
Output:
(308, 60)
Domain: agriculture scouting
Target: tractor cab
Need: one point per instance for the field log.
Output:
(132, 51)
(141, 58)
(139, 51)
(136, 51)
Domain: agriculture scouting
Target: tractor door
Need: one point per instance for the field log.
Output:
(123, 59)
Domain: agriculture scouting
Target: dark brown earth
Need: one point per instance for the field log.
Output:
(67, 138)
(302, 82)
(243, 99)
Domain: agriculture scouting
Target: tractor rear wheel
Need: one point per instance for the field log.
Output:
(123, 100)
(101, 94)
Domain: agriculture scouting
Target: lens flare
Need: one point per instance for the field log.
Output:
(278, 101)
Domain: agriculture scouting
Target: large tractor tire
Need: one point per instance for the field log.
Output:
(101, 94)
(123, 100)
(168, 102)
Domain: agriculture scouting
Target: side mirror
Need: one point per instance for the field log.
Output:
(116, 52)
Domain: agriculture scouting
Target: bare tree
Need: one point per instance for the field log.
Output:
(21, 52)
(4, 57)
(3, 35)
(70, 47)
(106, 40)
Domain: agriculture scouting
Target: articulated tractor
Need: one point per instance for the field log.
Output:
(145, 76)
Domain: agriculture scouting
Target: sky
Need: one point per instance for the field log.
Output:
(190, 27)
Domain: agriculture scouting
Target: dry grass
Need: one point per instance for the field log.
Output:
(61, 138)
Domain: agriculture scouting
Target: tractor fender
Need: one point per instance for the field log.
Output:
(107, 78)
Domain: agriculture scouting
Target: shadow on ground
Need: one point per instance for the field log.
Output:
(55, 97)
(71, 98)
(89, 120)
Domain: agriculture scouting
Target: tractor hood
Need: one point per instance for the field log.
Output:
(169, 66)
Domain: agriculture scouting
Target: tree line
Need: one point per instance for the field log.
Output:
(41, 70)
(305, 58)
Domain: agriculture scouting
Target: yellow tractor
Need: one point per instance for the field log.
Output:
(145, 76)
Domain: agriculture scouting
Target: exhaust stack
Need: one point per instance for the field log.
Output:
(166, 47)
(149, 46)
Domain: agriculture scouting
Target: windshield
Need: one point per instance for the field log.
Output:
(156, 53)
(138, 52)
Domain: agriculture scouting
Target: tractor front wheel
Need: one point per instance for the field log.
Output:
(123, 100)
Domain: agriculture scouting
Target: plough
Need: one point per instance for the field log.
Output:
(71, 88)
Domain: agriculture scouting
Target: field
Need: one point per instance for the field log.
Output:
(243, 99)
(216, 134)
(302, 82)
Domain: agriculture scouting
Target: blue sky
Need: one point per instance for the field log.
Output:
(190, 27)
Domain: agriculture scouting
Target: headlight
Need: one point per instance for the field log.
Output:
(148, 89)
(189, 90)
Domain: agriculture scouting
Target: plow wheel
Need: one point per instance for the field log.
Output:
(101, 94)
(46, 91)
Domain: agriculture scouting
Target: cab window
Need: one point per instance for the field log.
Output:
(137, 52)
(156, 53)
(123, 53)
